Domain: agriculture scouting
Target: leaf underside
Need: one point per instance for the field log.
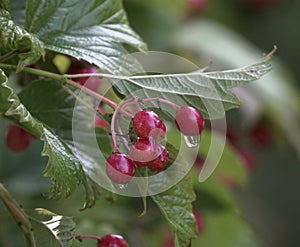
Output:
(210, 92)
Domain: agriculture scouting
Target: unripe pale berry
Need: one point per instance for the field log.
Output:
(147, 123)
(189, 121)
(112, 240)
(120, 168)
(17, 139)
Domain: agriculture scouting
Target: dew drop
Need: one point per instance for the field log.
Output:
(192, 141)
(122, 186)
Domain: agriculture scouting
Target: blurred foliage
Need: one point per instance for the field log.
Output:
(228, 31)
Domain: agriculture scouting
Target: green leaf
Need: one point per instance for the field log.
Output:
(18, 215)
(90, 30)
(14, 38)
(277, 91)
(203, 90)
(53, 106)
(17, 11)
(12, 108)
(63, 168)
(176, 205)
(51, 229)
(227, 229)
(4, 4)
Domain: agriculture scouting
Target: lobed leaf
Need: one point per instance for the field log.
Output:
(90, 30)
(15, 38)
(53, 106)
(63, 168)
(52, 230)
(208, 91)
(176, 206)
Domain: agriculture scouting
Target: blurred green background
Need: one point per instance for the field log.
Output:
(231, 33)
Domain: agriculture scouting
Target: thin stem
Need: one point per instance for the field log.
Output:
(70, 76)
(128, 102)
(80, 237)
(93, 94)
(160, 100)
(18, 215)
(63, 79)
(113, 132)
(123, 136)
(69, 91)
(137, 103)
(8, 55)
(35, 72)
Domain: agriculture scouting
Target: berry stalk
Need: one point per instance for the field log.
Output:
(81, 237)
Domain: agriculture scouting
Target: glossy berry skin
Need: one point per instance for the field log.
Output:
(143, 151)
(147, 123)
(17, 139)
(120, 168)
(161, 161)
(189, 121)
(92, 83)
(112, 240)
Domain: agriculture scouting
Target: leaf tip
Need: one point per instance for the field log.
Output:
(271, 53)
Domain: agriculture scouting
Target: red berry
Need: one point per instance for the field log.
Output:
(196, 6)
(261, 135)
(248, 159)
(112, 240)
(17, 139)
(119, 168)
(189, 121)
(147, 123)
(161, 161)
(92, 83)
(143, 151)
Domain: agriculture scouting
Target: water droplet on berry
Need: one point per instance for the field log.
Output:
(122, 186)
(192, 141)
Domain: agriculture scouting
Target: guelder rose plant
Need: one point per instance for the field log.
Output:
(146, 150)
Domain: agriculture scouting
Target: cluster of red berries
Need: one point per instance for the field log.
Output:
(147, 151)
(17, 139)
